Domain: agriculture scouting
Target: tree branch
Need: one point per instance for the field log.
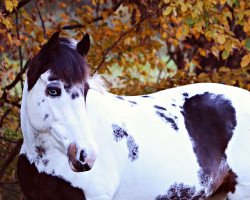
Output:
(4, 116)
(8, 140)
(20, 5)
(107, 50)
(98, 18)
(70, 27)
(13, 103)
(41, 19)
(11, 157)
(18, 77)
(19, 47)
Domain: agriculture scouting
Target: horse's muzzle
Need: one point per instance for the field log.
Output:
(75, 164)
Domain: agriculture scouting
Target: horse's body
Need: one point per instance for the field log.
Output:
(188, 143)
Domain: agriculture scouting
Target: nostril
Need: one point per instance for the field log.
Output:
(83, 155)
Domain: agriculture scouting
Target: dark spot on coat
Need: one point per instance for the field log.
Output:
(181, 192)
(74, 95)
(159, 107)
(145, 96)
(118, 132)
(168, 120)
(173, 105)
(133, 148)
(45, 117)
(185, 94)
(210, 120)
(120, 97)
(40, 151)
(45, 162)
(175, 117)
(43, 186)
(38, 103)
(67, 88)
(133, 102)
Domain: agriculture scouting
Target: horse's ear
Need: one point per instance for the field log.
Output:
(53, 41)
(83, 46)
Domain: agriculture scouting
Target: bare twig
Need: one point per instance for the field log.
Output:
(19, 47)
(98, 18)
(20, 5)
(4, 116)
(69, 27)
(11, 157)
(18, 77)
(13, 103)
(41, 19)
(8, 140)
(107, 50)
(97, 8)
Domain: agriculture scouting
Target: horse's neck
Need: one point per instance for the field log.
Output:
(105, 108)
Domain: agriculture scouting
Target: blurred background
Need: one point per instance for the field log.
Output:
(138, 47)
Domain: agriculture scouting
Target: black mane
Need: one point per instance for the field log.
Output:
(65, 63)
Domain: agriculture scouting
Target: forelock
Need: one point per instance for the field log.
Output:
(64, 62)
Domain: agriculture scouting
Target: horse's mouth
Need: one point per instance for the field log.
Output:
(75, 164)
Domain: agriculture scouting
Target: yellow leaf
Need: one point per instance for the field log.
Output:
(164, 35)
(7, 23)
(9, 5)
(166, 1)
(202, 51)
(15, 3)
(221, 39)
(228, 45)
(9, 37)
(215, 51)
(167, 11)
(184, 7)
(225, 54)
(245, 61)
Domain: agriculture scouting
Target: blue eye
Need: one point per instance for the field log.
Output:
(53, 90)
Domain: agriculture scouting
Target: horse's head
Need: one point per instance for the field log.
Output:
(56, 89)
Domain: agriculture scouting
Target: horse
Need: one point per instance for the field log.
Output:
(82, 142)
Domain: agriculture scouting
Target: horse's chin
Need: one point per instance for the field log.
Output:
(77, 166)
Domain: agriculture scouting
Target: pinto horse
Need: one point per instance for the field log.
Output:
(81, 142)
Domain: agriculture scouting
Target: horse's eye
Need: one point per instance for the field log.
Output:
(53, 91)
